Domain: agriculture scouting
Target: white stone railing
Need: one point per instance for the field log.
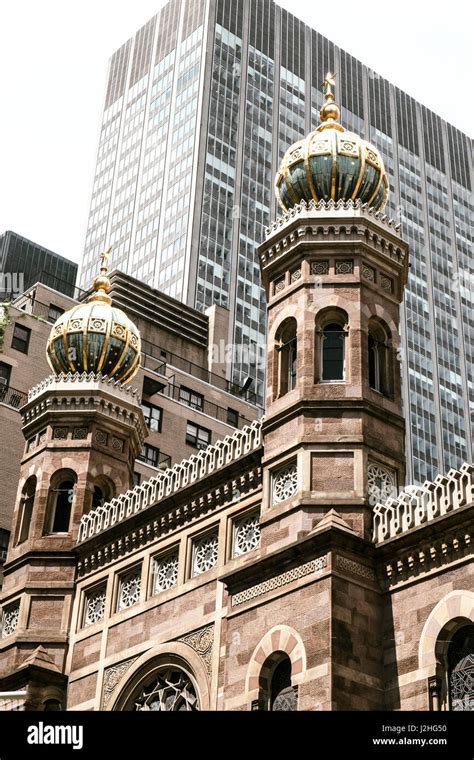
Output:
(81, 379)
(301, 210)
(168, 482)
(419, 505)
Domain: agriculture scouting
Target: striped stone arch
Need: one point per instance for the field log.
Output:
(453, 610)
(280, 639)
(376, 310)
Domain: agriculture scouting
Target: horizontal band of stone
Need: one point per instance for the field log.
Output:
(301, 209)
(167, 483)
(419, 505)
(280, 580)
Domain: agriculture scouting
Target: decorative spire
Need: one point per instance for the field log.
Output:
(101, 283)
(330, 112)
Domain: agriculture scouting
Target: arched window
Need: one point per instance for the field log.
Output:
(333, 352)
(378, 359)
(461, 670)
(282, 693)
(60, 500)
(98, 497)
(276, 691)
(169, 689)
(286, 353)
(26, 509)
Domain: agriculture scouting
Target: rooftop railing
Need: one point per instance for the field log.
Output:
(12, 397)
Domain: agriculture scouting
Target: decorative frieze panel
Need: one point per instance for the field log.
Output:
(295, 275)
(314, 566)
(60, 433)
(319, 267)
(386, 283)
(201, 641)
(112, 677)
(355, 568)
(427, 556)
(368, 273)
(344, 267)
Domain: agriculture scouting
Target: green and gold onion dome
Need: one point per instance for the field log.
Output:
(95, 337)
(331, 164)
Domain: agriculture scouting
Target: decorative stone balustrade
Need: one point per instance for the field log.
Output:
(419, 505)
(168, 482)
(83, 380)
(303, 209)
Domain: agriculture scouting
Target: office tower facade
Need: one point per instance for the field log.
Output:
(201, 105)
(23, 263)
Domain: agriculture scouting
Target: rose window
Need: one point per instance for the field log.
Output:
(129, 590)
(205, 554)
(165, 572)
(94, 607)
(246, 535)
(285, 483)
(381, 483)
(170, 691)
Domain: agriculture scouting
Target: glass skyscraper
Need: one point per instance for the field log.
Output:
(201, 105)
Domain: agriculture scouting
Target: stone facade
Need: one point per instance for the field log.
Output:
(277, 569)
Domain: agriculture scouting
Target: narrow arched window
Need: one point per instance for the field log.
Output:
(333, 338)
(461, 670)
(26, 510)
(286, 354)
(98, 497)
(63, 495)
(378, 360)
(282, 693)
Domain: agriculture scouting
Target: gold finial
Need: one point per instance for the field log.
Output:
(101, 283)
(330, 111)
(330, 81)
(103, 259)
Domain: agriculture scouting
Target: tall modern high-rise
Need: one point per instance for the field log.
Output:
(201, 105)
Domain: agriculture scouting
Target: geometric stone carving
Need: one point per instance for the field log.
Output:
(315, 565)
(129, 590)
(10, 619)
(165, 572)
(354, 567)
(117, 443)
(112, 677)
(60, 433)
(279, 286)
(381, 483)
(246, 534)
(295, 275)
(285, 483)
(94, 607)
(205, 551)
(201, 641)
(344, 267)
(79, 433)
(368, 273)
(101, 437)
(171, 690)
(386, 283)
(319, 267)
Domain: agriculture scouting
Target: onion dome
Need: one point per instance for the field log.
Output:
(331, 163)
(95, 336)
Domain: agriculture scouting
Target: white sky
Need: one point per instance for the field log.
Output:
(53, 63)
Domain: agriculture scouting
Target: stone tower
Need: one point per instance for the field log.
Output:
(83, 431)
(334, 270)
